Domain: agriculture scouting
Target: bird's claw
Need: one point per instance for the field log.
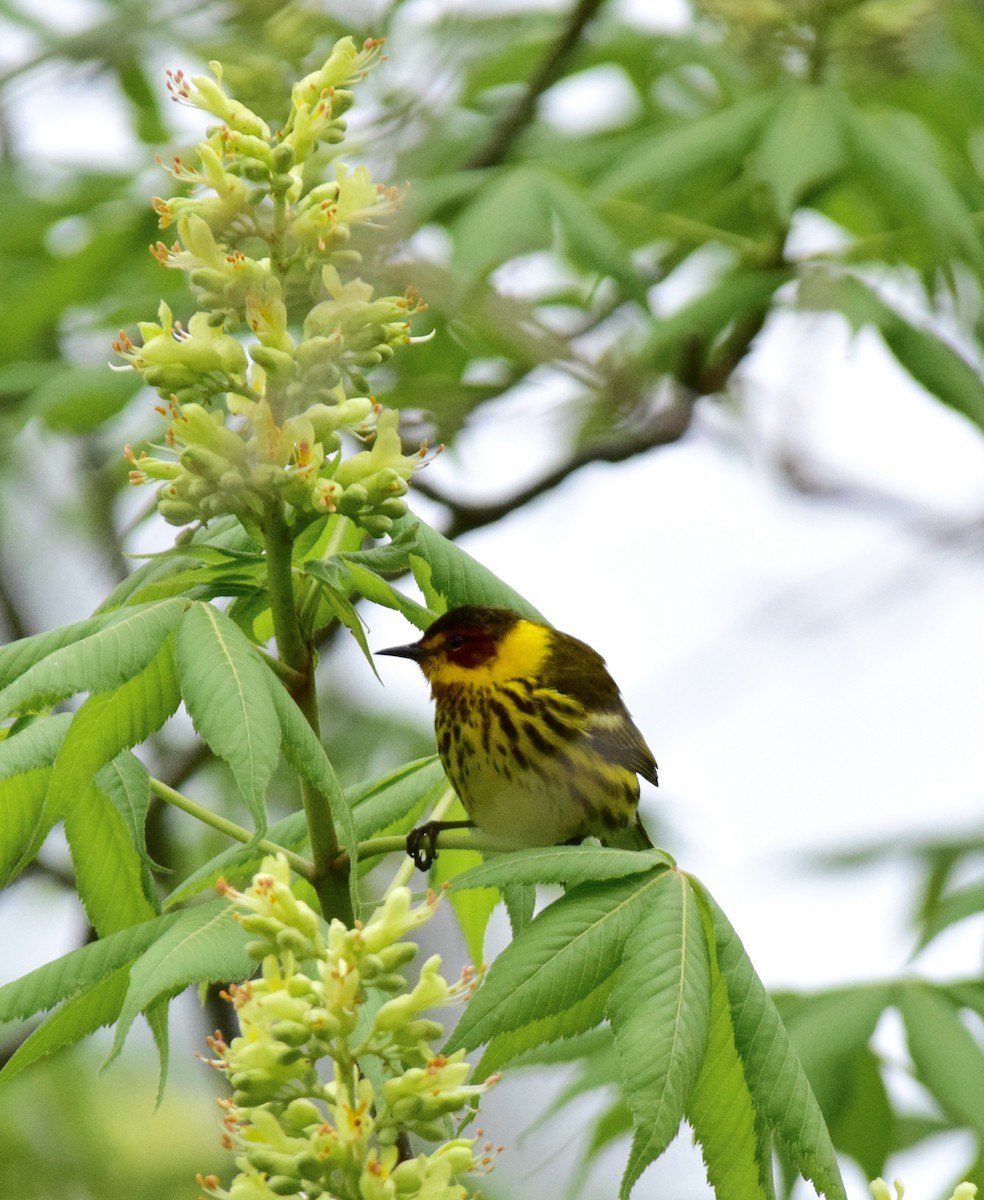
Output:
(422, 844)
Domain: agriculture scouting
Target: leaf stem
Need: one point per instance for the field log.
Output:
(229, 828)
(329, 880)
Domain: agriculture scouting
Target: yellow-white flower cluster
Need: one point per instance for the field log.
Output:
(270, 371)
(338, 996)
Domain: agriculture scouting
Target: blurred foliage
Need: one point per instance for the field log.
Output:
(771, 157)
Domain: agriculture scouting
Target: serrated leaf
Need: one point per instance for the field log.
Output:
(22, 804)
(109, 874)
(93, 656)
(778, 1085)
(567, 951)
(92, 1009)
(342, 607)
(75, 972)
(948, 1058)
(380, 591)
(660, 1011)
(721, 1112)
(520, 902)
(388, 558)
(126, 782)
(33, 745)
(568, 865)
(157, 1020)
(106, 861)
(583, 1015)
(449, 577)
(226, 689)
(204, 944)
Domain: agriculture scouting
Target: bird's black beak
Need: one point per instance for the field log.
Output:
(414, 651)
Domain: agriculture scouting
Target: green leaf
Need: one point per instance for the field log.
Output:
(110, 876)
(34, 744)
(722, 1112)
(736, 294)
(73, 973)
(449, 577)
(157, 1020)
(666, 163)
(776, 1080)
(863, 1123)
(92, 656)
(831, 1028)
(948, 1059)
(387, 804)
(800, 147)
(126, 782)
(520, 901)
(954, 907)
(474, 907)
(583, 1015)
(204, 944)
(568, 865)
(388, 558)
(304, 751)
(79, 398)
(927, 357)
(901, 163)
(108, 871)
(509, 216)
(590, 241)
(566, 952)
(380, 591)
(342, 607)
(90, 1010)
(660, 1011)
(226, 689)
(393, 803)
(22, 804)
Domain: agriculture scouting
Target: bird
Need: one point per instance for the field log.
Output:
(532, 733)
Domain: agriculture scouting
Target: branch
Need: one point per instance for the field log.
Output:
(548, 71)
(667, 425)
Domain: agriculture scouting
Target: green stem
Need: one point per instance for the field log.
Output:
(330, 880)
(229, 828)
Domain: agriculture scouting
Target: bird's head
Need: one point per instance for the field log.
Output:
(478, 646)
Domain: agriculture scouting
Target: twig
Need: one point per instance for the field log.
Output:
(549, 70)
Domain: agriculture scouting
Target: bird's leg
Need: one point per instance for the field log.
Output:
(422, 841)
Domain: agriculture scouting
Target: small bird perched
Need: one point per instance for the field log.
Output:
(532, 733)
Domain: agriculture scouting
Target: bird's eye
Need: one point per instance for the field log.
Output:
(456, 641)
